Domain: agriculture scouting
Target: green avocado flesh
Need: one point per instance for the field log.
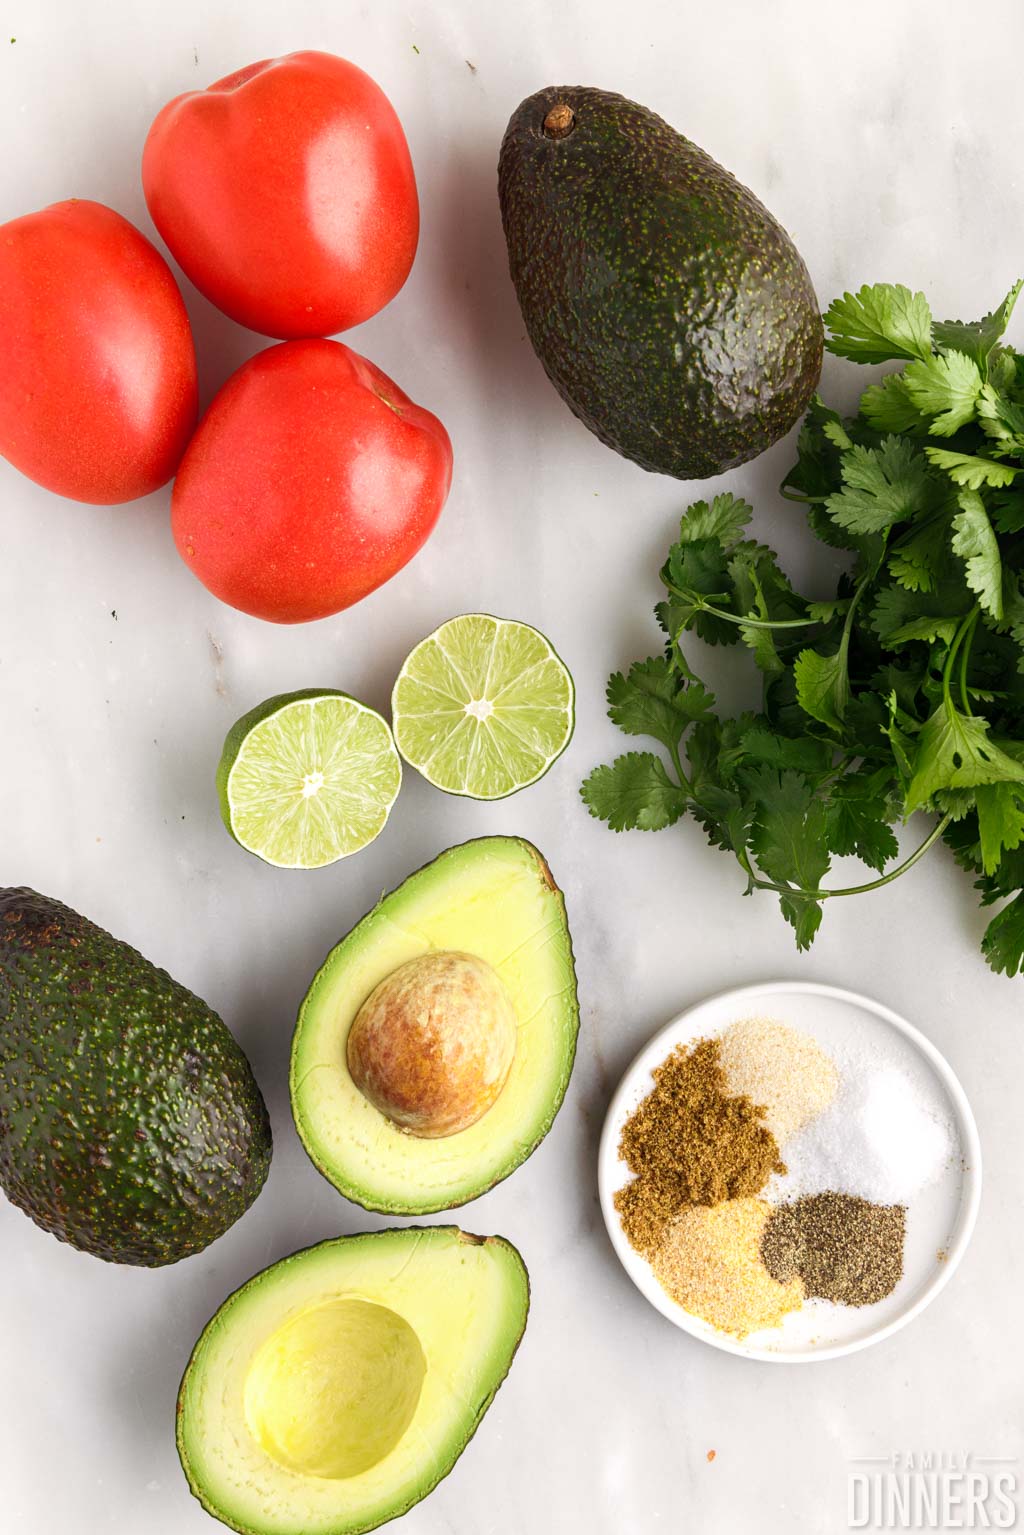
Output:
(670, 310)
(493, 898)
(130, 1122)
(336, 1389)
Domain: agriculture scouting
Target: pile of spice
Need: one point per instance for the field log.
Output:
(715, 1132)
(709, 1261)
(784, 1070)
(690, 1142)
(843, 1249)
(880, 1138)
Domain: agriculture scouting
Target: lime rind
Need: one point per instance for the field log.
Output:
(483, 706)
(308, 778)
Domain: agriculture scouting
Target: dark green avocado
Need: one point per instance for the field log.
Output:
(131, 1124)
(670, 310)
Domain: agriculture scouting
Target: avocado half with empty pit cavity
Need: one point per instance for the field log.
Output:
(435, 1045)
(335, 1389)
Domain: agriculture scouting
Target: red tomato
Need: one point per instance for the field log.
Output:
(311, 480)
(98, 383)
(287, 194)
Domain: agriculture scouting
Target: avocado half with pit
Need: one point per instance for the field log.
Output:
(435, 1045)
(335, 1389)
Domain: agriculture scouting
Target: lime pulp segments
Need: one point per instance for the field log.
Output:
(308, 778)
(483, 706)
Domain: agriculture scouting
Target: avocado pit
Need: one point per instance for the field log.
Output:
(432, 1046)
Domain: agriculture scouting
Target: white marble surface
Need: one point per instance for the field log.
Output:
(888, 139)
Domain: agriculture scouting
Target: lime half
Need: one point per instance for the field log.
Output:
(308, 778)
(482, 706)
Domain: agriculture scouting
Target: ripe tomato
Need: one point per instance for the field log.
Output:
(98, 384)
(287, 194)
(311, 480)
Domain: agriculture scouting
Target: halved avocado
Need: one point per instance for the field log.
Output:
(335, 1389)
(494, 899)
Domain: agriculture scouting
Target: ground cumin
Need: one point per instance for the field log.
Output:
(690, 1142)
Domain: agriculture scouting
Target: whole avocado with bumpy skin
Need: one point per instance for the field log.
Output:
(131, 1124)
(671, 311)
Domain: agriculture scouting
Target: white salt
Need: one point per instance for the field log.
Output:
(882, 1137)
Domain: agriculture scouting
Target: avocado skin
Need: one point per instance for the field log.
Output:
(353, 1191)
(439, 1468)
(670, 310)
(131, 1125)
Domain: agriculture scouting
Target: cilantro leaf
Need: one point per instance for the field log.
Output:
(858, 824)
(789, 835)
(836, 432)
(900, 616)
(811, 477)
(695, 571)
(903, 683)
(824, 612)
(654, 699)
(882, 486)
(724, 519)
(918, 558)
(970, 471)
(1000, 418)
(974, 540)
(1003, 943)
(1007, 879)
(976, 338)
(823, 685)
(763, 649)
(903, 744)
(718, 805)
(634, 792)
(804, 753)
(879, 323)
(1008, 512)
(954, 752)
(803, 915)
(788, 839)
(945, 387)
(757, 579)
(962, 838)
(888, 406)
(1000, 822)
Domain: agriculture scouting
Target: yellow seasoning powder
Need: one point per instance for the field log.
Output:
(709, 1261)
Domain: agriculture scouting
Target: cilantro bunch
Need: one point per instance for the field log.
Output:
(905, 691)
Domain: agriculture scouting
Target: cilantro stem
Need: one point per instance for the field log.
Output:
(964, 632)
(735, 618)
(678, 765)
(965, 656)
(874, 884)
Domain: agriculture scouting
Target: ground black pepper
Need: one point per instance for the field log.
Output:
(845, 1249)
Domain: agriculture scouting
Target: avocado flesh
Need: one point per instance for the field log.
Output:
(337, 1388)
(130, 1122)
(493, 898)
(669, 308)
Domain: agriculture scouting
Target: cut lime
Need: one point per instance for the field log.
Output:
(308, 778)
(482, 706)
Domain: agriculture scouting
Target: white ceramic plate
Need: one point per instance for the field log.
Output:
(939, 1220)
